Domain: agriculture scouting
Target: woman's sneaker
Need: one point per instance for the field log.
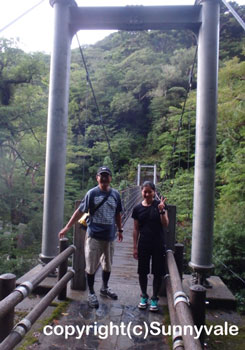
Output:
(107, 292)
(154, 304)
(143, 302)
(93, 301)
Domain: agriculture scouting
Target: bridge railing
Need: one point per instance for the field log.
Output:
(182, 311)
(130, 197)
(10, 336)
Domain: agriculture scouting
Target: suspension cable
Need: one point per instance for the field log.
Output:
(95, 101)
(22, 15)
(85, 127)
(228, 269)
(190, 80)
(234, 13)
(189, 141)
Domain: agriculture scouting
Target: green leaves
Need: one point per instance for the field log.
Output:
(140, 81)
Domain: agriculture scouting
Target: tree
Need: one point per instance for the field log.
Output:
(22, 139)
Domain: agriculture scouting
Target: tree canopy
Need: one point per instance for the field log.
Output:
(141, 80)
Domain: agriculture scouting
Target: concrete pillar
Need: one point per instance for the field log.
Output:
(205, 154)
(57, 129)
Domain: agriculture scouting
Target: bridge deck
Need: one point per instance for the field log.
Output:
(124, 265)
(124, 281)
(124, 311)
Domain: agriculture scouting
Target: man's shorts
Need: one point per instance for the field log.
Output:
(98, 251)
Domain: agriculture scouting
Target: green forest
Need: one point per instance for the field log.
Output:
(141, 81)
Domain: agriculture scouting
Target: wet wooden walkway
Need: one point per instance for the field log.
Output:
(124, 269)
(122, 313)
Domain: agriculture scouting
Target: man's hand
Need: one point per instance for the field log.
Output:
(75, 217)
(63, 232)
(120, 237)
(161, 205)
(135, 254)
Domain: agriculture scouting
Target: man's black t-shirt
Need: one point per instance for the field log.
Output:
(150, 226)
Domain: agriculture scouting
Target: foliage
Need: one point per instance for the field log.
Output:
(15, 259)
(141, 81)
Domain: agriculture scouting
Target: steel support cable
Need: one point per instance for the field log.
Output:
(95, 101)
(134, 200)
(234, 13)
(22, 15)
(85, 127)
(232, 272)
(186, 97)
(130, 199)
(130, 202)
(189, 141)
(190, 79)
(133, 197)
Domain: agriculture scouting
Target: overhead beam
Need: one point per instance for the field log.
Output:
(133, 18)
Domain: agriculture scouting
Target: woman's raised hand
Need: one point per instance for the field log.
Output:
(161, 205)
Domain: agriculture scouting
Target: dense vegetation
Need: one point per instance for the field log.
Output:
(141, 81)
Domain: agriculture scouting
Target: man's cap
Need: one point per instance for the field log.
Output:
(104, 169)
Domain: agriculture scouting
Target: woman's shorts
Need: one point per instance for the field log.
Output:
(154, 254)
(98, 251)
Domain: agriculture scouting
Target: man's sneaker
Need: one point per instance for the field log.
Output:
(154, 304)
(93, 301)
(143, 302)
(107, 292)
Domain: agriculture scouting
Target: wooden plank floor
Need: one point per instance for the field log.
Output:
(124, 267)
(123, 311)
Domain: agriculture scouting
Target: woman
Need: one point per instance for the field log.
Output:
(150, 216)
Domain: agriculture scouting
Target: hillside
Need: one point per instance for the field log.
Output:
(141, 82)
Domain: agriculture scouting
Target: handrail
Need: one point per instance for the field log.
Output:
(20, 330)
(181, 304)
(130, 197)
(25, 288)
(176, 337)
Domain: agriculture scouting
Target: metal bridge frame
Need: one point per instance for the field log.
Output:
(147, 166)
(203, 19)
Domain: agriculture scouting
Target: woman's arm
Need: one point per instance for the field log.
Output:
(164, 218)
(163, 212)
(136, 238)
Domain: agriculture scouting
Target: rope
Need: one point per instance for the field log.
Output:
(96, 104)
(22, 15)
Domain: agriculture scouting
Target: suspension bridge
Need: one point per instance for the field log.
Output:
(176, 291)
(186, 302)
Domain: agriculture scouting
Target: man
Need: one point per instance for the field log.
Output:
(104, 205)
